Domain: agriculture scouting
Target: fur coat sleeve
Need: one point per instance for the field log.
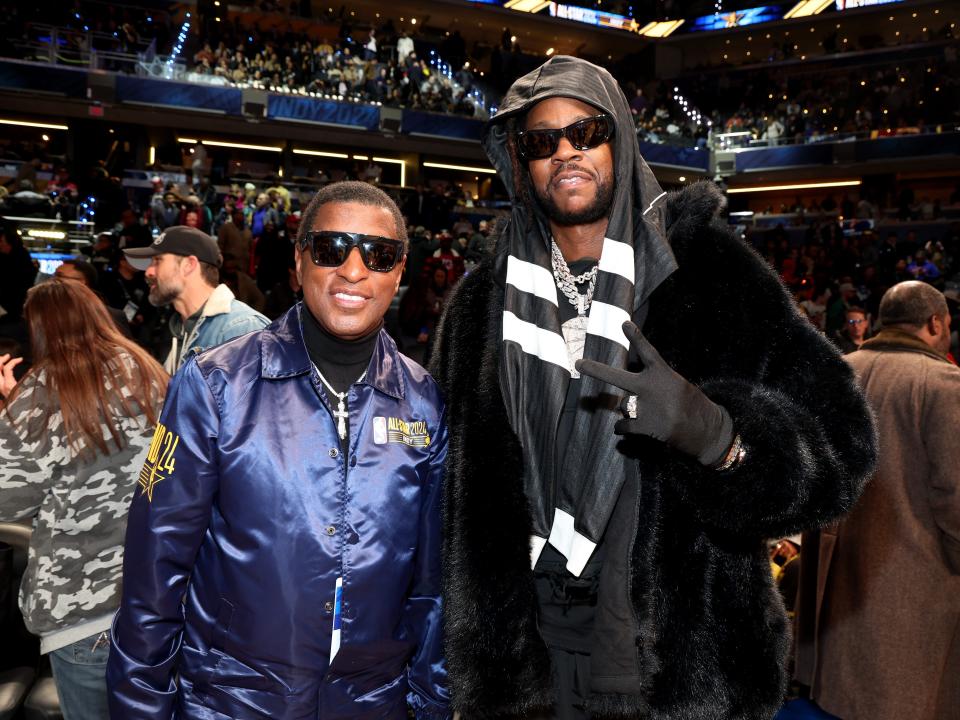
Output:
(726, 323)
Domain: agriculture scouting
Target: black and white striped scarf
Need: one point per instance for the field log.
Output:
(571, 505)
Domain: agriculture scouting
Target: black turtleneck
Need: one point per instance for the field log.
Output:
(340, 361)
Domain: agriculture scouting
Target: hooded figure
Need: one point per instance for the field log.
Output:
(656, 547)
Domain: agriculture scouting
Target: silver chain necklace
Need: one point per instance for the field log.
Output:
(341, 412)
(567, 281)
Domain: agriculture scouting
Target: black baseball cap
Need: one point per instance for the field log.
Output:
(178, 240)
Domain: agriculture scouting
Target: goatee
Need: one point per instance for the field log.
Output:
(596, 210)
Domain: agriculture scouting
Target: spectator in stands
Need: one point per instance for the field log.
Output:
(263, 213)
(243, 287)
(72, 435)
(206, 193)
(923, 269)
(17, 273)
(198, 161)
(851, 337)
(422, 306)
(879, 613)
(251, 551)
(568, 603)
(286, 293)
(816, 307)
(167, 212)
(448, 257)
(124, 288)
(235, 239)
(196, 214)
(370, 48)
(132, 233)
(86, 273)
(477, 247)
(61, 182)
(26, 202)
(421, 247)
(182, 270)
(270, 256)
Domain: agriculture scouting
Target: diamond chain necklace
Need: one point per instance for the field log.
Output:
(567, 281)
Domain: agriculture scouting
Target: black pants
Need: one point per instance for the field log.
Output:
(572, 684)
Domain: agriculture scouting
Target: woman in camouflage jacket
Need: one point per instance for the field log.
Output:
(73, 435)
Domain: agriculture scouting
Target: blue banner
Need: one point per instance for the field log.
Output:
(786, 156)
(908, 146)
(725, 19)
(331, 112)
(415, 122)
(43, 76)
(687, 157)
(165, 92)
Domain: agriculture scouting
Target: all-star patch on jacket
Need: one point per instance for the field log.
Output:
(79, 510)
(248, 512)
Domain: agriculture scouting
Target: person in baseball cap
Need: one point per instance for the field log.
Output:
(177, 240)
(182, 269)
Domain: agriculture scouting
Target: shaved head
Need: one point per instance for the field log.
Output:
(911, 303)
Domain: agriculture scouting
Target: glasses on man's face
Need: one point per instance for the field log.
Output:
(584, 134)
(330, 248)
(855, 321)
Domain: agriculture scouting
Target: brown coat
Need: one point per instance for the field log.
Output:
(237, 242)
(879, 607)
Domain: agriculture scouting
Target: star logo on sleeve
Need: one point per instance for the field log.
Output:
(159, 464)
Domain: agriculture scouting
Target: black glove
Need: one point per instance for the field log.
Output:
(669, 408)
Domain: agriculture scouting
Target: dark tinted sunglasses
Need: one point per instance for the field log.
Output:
(584, 134)
(330, 248)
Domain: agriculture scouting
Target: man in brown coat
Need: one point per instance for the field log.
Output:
(235, 239)
(879, 611)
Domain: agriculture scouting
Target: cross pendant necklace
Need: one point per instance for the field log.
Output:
(341, 412)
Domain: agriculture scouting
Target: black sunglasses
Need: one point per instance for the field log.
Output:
(330, 248)
(584, 134)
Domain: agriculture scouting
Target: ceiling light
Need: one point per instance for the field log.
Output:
(797, 186)
(320, 153)
(238, 146)
(465, 168)
(24, 123)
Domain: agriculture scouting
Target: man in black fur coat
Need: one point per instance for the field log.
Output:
(635, 406)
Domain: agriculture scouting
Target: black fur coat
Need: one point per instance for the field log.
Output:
(712, 634)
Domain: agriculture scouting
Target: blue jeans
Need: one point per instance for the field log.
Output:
(79, 671)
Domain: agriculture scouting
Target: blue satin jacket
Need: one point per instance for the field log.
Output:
(247, 513)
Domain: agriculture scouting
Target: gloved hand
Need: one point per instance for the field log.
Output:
(669, 408)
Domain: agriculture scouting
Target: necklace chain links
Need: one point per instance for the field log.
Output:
(567, 281)
(341, 412)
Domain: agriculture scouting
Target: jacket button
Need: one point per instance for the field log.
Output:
(334, 452)
(331, 530)
(353, 461)
(328, 606)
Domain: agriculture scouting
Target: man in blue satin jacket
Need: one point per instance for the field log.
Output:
(283, 548)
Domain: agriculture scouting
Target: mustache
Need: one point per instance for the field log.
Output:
(568, 167)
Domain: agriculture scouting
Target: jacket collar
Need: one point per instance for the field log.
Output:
(219, 301)
(891, 340)
(283, 354)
